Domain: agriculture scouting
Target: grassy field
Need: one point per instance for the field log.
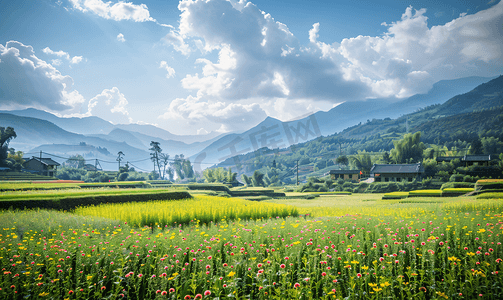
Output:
(338, 247)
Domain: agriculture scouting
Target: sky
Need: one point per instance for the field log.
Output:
(197, 66)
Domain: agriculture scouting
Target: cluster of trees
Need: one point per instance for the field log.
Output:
(167, 168)
(9, 158)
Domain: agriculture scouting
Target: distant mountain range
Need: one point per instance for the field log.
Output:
(96, 138)
(457, 122)
(273, 133)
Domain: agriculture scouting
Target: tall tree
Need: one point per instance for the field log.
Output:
(75, 161)
(6, 135)
(188, 171)
(164, 158)
(257, 178)
(409, 149)
(120, 156)
(246, 179)
(177, 165)
(342, 160)
(155, 154)
(476, 146)
(362, 161)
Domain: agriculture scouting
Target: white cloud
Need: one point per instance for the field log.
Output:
(28, 81)
(73, 60)
(258, 56)
(229, 116)
(76, 60)
(117, 11)
(411, 56)
(120, 38)
(56, 62)
(171, 71)
(261, 62)
(177, 41)
(110, 105)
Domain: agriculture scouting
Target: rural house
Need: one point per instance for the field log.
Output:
(469, 160)
(42, 166)
(347, 175)
(396, 172)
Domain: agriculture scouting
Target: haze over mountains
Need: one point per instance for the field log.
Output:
(96, 138)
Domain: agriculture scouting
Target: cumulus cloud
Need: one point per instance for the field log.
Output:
(258, 56)
(261, 62)
(73, 60)
(411, 56)
(230, 116)
(28, 81)
(120, 38)
(176, 40)
(170, 70)
(117, 11)
(110, 105)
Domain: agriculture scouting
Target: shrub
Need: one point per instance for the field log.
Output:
(425, 193)
(456, 178)
(455, 185)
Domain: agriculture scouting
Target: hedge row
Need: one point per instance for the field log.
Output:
(395, 195)
(67, 203)
(455, 185)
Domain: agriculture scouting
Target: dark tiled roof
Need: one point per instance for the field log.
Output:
(486, 157)
(397, 168)
(344, 171)
(449, 158)
(45, 161)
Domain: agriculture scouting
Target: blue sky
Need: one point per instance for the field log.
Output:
(193, 67)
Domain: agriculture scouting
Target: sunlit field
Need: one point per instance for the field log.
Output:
(331, 247)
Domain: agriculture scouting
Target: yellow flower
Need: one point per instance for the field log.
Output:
(231, 274)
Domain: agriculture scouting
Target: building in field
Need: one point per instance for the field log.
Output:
(396, 172)
(347, 175)
(42, 166)
(470, 160)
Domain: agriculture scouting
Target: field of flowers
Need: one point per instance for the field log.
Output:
(350, 247)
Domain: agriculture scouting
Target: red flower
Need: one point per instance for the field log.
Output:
(296, 285)
(207, 293)
(187, 297)
(70, 292)
(164, 293)
(171, 290)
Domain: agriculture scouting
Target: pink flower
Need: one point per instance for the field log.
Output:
(171, 290)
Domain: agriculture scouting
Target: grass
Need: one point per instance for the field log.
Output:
(425, 193)
(58, 194)
(206, 209)
(496, 195)
(352, 247)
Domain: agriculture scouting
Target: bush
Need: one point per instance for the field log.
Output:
(455, 185)
(122, 176)
(67, 203)
(425, 193)
(456, 178)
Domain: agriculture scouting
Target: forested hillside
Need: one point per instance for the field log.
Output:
(474, 117)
